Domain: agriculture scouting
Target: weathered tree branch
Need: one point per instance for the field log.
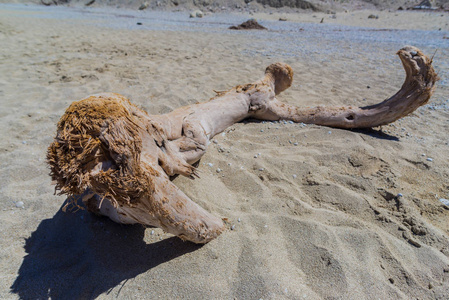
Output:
(416, 91)
(120, 158)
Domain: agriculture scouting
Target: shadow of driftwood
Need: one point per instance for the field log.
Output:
(378, 134)
(79, 256)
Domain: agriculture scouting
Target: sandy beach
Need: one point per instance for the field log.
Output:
(316, 211)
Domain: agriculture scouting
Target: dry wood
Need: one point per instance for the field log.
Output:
(120, 159)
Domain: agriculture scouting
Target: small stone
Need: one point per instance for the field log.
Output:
(296, 144)
(143, 6)
(232, 227)
(423, 154)
(239, 220)
(290, 122)
(329, 132)
(429, 159)
(266, 226)
(215, 141)
(196, 14)
(444, 201)
(391, 280)
(261, 169)
(210, 164)
(255, 156)
(294, 176)
(24, 142)
(400, 195)
(218, 170)
(152, 232)
(19, 204)
(373, 17)
(261, 130)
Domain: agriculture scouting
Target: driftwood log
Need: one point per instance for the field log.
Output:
(120, 159)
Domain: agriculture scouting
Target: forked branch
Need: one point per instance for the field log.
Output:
(419, 85)
(120, 158)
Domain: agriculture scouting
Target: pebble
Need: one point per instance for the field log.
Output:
(19, 204)
(294, 176)
(265, 226)
(218, 170)
(400, 195)
(290, 122)
(261, 130)
(210, 164)
(329, 132)
(296, 144)
(24, 142)
(255, 156)
(239, 220)
(197, 14)
(229, 164)
(429, 159)
(152, 232)
(444, 201)
(423, 154)
(261, 169)
(232, 227)
(215, 141)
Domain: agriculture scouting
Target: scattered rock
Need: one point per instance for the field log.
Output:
(283, 19)
(89, 2)
(139, 23)
(424, 5)
(302, 4)
(143, 6)
(373, 17)
(250, 24)
(196, 14)
(47, 2)
(444, 201)
(19, 204)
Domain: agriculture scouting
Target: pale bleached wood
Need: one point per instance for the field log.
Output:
(121, 159)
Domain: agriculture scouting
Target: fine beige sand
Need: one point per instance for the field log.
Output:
(315, 210)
